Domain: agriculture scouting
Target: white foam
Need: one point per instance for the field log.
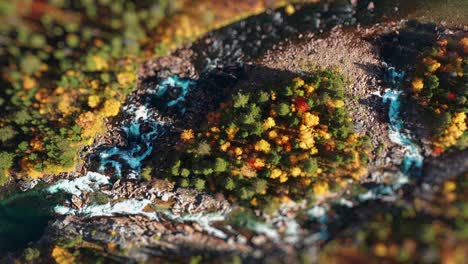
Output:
(316, 211)
(92, 181)
(204, 220)
(127, 207)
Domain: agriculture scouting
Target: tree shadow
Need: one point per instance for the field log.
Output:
(401, 48)
(249, 38)
(374, 101)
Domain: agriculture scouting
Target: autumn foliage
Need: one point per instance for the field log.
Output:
(439, 83)
(295, 140)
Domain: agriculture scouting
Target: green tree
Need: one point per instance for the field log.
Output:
(31, 254)
(146, 173)
(4, 177)
(185, 173)
(311, 166)
(207, 171)
(283, 109)
(22, 117)
(431, 84)
(30, 64)
(274, 158)
(175, 168)
(23, 146)
(6, 160)
(221, 165)
(253, 115)
(7, 133)
(246, 193)
(230, 184)
(261, 186)
(241, 100)
(264, 97)
(184, 183)
(199, 184)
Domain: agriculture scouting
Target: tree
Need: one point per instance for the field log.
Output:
(274, 158)
(261, 186)
(221, 165)
(59, 150)
(431, 84)
(443, 121)
(207, 171)
(264, 97)
(22, 117)
(257, 129)
(184, 183)
(185, 173)
(311, 166)
(7, 133)
(253, 115)
(4, 177)
(62, 255)
(175, 168)
(111, 108)
(230, 184)
(246, 193)
(241, 100)
(199, 184)
(203, 148)
(6, 160)
(283, 109)
(146, 173)
(31, 254)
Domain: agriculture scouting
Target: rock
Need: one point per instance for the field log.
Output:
(77, 202)
(259, 240)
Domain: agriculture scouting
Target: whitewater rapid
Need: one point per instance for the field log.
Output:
(143, 124)
(413, 160)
